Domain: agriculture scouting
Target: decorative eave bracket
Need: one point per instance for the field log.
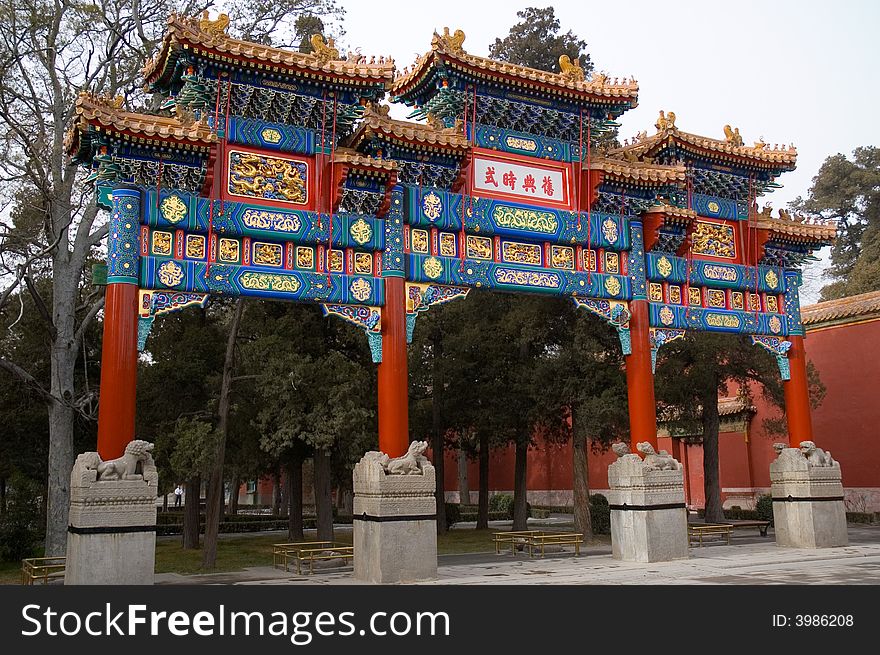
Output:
(778, 347)
(154, 303)
(421, 297)
(366, 317)
(616, 312)
(659, 337)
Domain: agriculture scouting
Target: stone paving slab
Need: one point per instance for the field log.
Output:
(754, 563)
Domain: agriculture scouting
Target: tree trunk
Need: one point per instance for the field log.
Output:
(2, 496)
(483, 496)
(164, 503)
(520, 487)
(60, 466)
(294, 472)
(464, 489)
(437, 429)
(711, 424)
(323, 497)
(61, 414)
(276, 493)
(191, 513)
(580, 486)
(214, 504)
(348, 500)
(234, 486)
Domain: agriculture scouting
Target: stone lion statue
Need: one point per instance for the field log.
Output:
(779, 447)
(409, 464)
(128, 467)
(816, 456)
(621, 448)
(655, 461)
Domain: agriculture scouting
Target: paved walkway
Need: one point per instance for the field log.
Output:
(754, 561)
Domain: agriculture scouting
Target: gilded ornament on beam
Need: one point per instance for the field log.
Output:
(664, 266)
(170, 273)
(432, 267)
(432, 206)
(360, 231)
(173, 209)
(360, 289)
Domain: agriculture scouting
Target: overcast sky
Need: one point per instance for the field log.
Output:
(802, 72)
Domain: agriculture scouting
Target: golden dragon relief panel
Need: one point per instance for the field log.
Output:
(714, 240)
(269, 178)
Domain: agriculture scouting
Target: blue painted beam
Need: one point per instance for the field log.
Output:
(716, 320)
(662, 267)
(231, 280)
(511, 277)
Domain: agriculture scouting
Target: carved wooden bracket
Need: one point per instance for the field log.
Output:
(651, 224)
(591, 180)
(464, 168)
(337, 173)
(213, 162)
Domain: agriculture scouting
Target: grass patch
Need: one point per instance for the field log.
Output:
(232, 554)
(10, 572)
(465, 540)
(240, 552)
(236, 554)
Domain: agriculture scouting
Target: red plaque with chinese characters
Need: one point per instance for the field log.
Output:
(508, 177)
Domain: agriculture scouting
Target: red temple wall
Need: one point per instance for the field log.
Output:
(844, 424)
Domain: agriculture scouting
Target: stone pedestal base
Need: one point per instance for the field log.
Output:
(808, 509)
(112, 532)
(395, 527)
(648, 515)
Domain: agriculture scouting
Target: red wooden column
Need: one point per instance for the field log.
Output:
(393, 396)
(797, 394)
(116, 409)
(393, 380)
(639, 372)
(640, 379)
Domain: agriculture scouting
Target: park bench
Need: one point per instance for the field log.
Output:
(503, 540)
(532, 540)
(556, 539)
(42, 568)
(752, 523)
(697, 531)
(311, 552)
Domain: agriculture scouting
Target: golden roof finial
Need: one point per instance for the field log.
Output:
(323, 51)
(453, 43)
(434, 121)
(215, 27)
(665, 121)
(732, 136)
(377, 109)
(571, 70)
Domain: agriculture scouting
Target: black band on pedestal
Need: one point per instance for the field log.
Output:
(645, 508)
(819, 499)
(401, 517)
(121, 529)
